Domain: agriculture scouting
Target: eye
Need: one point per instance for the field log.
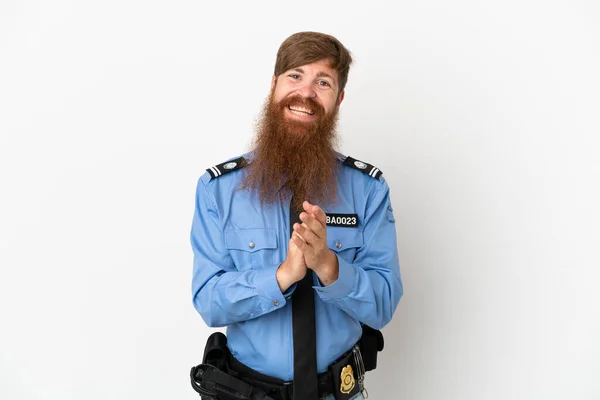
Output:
(294, 76)
(324, 83)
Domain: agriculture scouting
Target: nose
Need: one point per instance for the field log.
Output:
(307, 90)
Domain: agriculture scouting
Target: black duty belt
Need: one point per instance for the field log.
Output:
(282, 390)
(222, 377)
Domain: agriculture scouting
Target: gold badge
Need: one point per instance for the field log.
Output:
(347, 379)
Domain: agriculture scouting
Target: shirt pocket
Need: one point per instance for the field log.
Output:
(251, 248)
(345, 242)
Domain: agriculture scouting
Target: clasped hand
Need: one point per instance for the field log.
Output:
(311, 236)
(307, 249)
(311, 239)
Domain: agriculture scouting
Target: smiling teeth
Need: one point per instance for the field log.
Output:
(300, 109)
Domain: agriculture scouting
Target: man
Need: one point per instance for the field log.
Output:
(292, 227)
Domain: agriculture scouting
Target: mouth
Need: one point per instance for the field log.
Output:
(301, 111)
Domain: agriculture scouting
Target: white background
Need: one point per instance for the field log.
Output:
(483, 116)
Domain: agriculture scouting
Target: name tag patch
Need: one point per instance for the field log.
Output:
(343, 220)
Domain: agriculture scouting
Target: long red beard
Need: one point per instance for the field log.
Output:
(294, 156)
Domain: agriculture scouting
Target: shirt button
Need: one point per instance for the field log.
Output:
(338, 245)
(251, 245)
(275, 303)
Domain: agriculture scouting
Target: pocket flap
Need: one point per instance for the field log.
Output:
(251, 240)
(339, 239)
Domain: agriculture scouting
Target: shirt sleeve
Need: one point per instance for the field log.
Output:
(369, 289)
(221, 293)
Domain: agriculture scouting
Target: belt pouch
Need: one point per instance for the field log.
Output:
(370, 343)
(345, 383)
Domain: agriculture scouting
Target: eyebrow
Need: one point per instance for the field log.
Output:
(320, 74)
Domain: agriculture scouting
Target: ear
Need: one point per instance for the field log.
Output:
(273, 82)
(341, 98)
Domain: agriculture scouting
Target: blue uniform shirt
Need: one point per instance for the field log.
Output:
(239, 244)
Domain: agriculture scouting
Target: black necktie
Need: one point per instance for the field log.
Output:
(305, 340)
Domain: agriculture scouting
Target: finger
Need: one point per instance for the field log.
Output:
(311, 222)
(291, 243)
(306, 233)
(299, 242)
(307, 206)
(319, 215)
(317, 211)
(296, 234)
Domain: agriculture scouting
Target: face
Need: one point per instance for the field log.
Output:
(308, 91)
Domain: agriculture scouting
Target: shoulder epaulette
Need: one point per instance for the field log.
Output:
(364, 167)
(226, 167)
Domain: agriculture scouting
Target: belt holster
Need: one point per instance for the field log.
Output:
(212, 379)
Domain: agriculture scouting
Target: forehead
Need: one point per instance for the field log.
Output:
(318, 68)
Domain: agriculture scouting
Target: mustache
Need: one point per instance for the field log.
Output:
(306, 102)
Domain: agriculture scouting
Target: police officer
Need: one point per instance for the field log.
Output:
(294, 210)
